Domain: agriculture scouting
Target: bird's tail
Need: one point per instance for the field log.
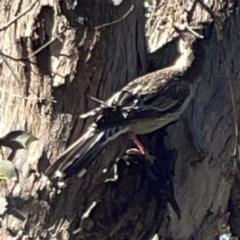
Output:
(80, 155)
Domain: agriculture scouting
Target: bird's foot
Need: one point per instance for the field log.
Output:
(136, 151)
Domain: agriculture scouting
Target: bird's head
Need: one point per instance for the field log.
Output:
(186, 47)
(187, 37)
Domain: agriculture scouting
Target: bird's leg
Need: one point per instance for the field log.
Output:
(141, 149)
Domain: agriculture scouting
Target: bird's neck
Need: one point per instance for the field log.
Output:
(185, 60)
(191, 62)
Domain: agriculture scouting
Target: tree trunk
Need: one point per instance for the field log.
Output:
(63, 50)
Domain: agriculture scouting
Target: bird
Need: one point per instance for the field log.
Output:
(144, 105)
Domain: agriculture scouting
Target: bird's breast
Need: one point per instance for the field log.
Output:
(148, 125)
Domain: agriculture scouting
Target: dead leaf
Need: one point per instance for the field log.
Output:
(8, 171)
(17, 139)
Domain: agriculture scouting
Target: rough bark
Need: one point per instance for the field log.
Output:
(193, 170)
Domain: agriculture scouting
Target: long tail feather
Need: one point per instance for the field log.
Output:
(80, 155)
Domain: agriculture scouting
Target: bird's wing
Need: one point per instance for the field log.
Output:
(139, 89)
(77, 158)
(120, 98)
(159, 99)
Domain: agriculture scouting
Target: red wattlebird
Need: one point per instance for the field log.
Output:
(144, 105)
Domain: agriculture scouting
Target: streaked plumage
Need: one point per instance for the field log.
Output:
(85, 149)
(142, 106)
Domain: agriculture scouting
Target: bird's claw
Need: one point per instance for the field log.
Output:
(136, 151)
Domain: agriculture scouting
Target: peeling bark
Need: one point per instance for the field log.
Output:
(60, 57)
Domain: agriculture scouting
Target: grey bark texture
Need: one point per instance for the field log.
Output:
(63, 50)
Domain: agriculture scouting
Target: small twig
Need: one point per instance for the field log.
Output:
(19, 83)
(116, 21)
(207, 8)
(218, 27)
(23, 97)
(194, 33)
(49, 42)
(134, 106)
(33, 54)
(215, 19)
(125, 108)
(13, 73)
(42, 47)
(235, 112)
(98, 101)
(19, 16)
(27, 60)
